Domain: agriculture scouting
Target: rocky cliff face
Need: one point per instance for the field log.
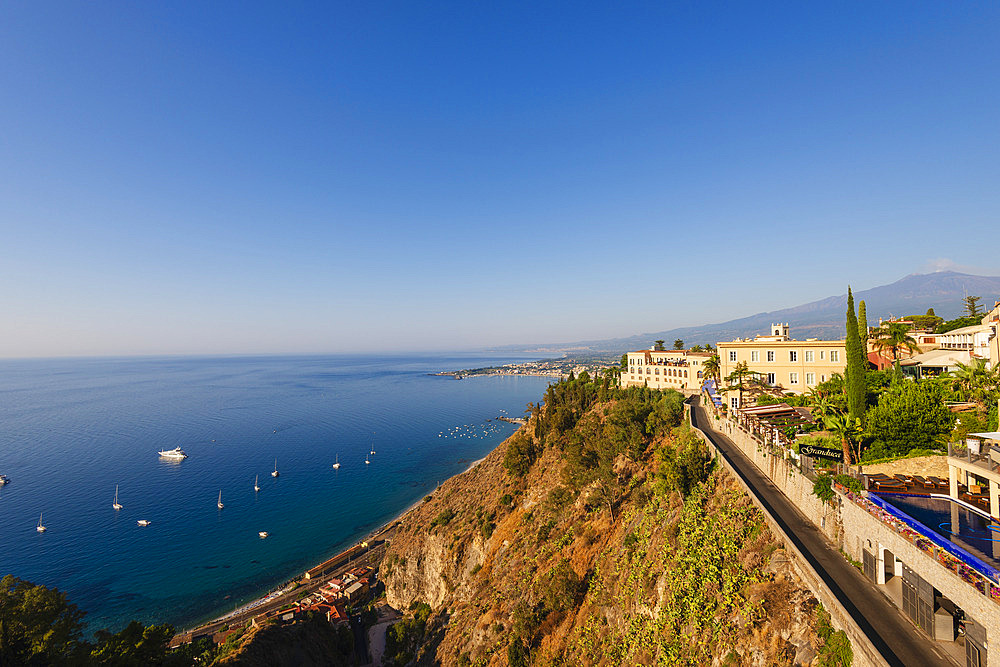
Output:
(537, 569)
(446, 540)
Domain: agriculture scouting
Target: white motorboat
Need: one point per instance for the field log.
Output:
(336, 466)
(116, 505)
(275, 473)
(367, 461)
(40, 527)
(3, 479)
(143, 522)
(220, 500)
(256, 486)
(263, 534)
(175, 453)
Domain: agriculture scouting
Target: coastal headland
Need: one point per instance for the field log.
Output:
(557, 368)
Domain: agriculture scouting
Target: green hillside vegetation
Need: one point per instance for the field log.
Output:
(616, 541)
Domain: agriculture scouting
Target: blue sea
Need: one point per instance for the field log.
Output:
(73, 429)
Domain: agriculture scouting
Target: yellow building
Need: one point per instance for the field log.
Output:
(665, 369)
(791, 365)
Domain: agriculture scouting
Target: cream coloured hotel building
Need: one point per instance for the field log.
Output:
(665, 369)
(792, 365)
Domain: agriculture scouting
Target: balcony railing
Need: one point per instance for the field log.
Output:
(984, 456)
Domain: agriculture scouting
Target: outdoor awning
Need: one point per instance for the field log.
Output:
(992, 435)
(781, 414)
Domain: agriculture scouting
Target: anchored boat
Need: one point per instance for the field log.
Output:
(175, 453)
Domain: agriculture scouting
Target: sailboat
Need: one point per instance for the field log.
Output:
(220, 500)
(40, 528)
(256, 486)
(117, 505)
(275, 473)
(336, 466)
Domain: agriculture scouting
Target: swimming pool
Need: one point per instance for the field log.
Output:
(955, 523)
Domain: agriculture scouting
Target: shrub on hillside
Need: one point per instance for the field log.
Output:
(909, 415)
(520, 455)
(684, 464)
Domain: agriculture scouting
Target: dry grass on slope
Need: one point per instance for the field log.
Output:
(527, 568)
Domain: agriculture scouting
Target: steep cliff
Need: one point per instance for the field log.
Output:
(598, 535)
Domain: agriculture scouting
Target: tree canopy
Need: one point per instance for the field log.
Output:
(39, 626)
(857, 364)
(909, 415)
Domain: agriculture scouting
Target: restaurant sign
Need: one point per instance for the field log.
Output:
(821, 452)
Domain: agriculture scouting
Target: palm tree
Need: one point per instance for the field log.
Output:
(847, 430)
(711, 368)
(894, 336)
(741, 378)
(821, 406)
(975, 381)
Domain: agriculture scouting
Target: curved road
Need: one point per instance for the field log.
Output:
(893, 635)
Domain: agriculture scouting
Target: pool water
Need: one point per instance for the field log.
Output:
(970, 530)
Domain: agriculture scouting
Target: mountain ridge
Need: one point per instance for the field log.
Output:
(824, 318)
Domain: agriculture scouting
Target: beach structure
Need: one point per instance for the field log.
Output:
(783, 363)
(665, 369)
(341, 558)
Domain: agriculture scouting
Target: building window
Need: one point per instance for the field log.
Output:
(834, 355)
(732, 355)
(810, 378)
(793, 355)
(657, 371)
(771, 379)
(822, 378)
(754, 355)
(734, 403)
(770, 355)
(821, 353)
(809, 355)
(793, 378)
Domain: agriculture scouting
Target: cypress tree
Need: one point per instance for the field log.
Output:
(863, 326)
(855, 372)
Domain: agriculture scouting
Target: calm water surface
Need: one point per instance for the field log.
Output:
(73, 429)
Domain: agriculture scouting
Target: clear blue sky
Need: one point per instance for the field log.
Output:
(289, 177)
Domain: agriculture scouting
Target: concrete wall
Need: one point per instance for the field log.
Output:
(865, 654)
